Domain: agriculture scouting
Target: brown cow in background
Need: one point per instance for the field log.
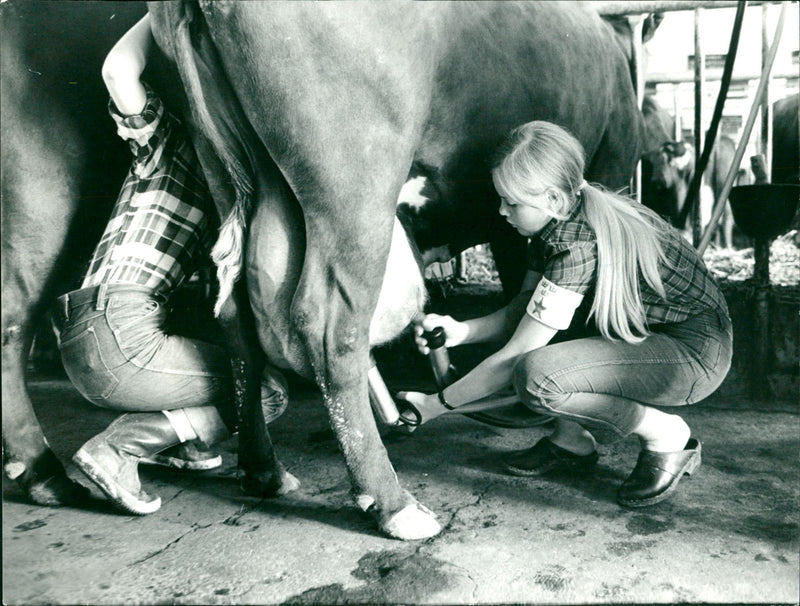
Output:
(668, 169)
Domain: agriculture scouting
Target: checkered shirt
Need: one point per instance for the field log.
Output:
(161, 225)
(566, 254)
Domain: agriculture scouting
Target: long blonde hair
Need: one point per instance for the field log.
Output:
(629, 242)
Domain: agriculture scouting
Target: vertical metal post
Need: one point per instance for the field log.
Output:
(699, 92)
(676, 111)
(460, 266)
(762, 343)
(637, 22)
(766, 108)
(761, 278)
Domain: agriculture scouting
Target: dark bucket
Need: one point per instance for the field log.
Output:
(764, 211)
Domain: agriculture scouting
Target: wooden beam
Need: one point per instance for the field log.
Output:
(638, 7)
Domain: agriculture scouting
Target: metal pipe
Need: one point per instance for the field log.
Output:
(766, 101)
(692, 194)
(699, 90)
(637, 24)
(638, 7)
(379, 397)
(719, 204)
(677, 135)
(759, 384)
(712, 75)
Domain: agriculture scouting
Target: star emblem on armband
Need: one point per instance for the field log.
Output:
(538, 306)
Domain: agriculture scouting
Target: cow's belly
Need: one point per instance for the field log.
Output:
(274, 262)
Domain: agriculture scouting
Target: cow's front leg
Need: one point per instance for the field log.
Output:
(264, 474)
(27, 458)
(332, 312)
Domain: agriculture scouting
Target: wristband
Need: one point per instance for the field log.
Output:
(444, 402)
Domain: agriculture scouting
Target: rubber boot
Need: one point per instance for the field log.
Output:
(188, 456)
(111, 458)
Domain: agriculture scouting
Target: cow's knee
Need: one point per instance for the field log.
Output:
(335, 340)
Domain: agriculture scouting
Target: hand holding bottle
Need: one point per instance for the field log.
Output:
(454, 331)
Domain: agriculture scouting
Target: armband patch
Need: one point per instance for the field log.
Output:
(553, 305)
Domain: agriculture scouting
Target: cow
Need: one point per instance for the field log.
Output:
(475, 71)
(319, 111)
(668, 169)
(786, 149)
(62, 167)
(785, 152)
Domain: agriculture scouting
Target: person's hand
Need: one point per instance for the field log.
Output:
(455, 332)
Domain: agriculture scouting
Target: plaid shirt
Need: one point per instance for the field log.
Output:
(160, 227)
(565, 253)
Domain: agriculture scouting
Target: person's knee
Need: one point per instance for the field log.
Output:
(534, 387)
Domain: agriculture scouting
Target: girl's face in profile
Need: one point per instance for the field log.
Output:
(526, 219)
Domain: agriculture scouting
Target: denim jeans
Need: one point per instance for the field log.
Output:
(117, 354)
(602, 385)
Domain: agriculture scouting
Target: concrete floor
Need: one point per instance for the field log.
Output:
(730, 534)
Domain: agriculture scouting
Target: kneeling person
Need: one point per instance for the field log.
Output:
(112, 332)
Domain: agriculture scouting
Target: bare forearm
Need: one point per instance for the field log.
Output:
(495, 372)
(488, 377)
(485, 328)
(124, 66)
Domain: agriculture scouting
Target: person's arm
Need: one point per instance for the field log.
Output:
(476, 330)
(550, 309)
(493, 327)
(488, 377)
(124, 65)
(494, 373)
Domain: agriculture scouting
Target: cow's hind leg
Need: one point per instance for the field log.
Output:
(347, 246)
(27, 457)
(33, 238)
(336, 336)
(264, 474)
(344, 145)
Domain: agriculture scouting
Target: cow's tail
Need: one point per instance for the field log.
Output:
(228, 254)
(216, 110)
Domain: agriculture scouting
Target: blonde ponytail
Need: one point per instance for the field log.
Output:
(629, 241)
(629, 245)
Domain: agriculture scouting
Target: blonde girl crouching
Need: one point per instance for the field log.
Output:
(658, 333)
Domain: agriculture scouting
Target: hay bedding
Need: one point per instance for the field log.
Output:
(726, 264)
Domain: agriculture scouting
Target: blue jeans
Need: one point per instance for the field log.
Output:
(116, 353)
(602, 385)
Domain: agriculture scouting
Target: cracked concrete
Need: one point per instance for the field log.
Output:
(730, 534)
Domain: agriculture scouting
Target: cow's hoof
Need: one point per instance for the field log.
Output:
(58, 491)
(269, 483)
(46, 483)
(411, 523)
(289, 483)
(260, 485)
